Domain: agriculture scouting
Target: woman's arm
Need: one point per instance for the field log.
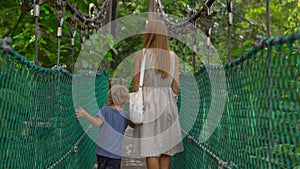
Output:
(175, 83)
(131, 125)
(82, 113)
(137, 69)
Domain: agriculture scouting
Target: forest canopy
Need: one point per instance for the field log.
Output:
(249, 19)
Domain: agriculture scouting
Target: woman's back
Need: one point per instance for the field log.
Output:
(160, 132)
(151, 77)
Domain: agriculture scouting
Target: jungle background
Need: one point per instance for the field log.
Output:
(249, 19)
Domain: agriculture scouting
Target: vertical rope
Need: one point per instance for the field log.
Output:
(60, 20)
(82, 39)
(208, 29)
(36, 15)
(208, 49)
(194, 40)
(73, 26)
(229, 23)
(268, 18)
(183, 47)
(269, 62)
(176, 45)
(58, 50)
(82, 35)
(73, 53)
(194, 47)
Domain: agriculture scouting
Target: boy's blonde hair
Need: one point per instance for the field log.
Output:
(118, 95)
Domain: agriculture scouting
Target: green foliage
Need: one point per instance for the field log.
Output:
(250, 18)
(18, 22)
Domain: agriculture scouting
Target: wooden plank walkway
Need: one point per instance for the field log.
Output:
(131, 163)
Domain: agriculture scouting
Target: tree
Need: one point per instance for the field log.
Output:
(18, 22)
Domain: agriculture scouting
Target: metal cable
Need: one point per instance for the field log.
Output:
(208, 24)
(185, 21)
(83, 17)
(229, 23)
(60, 13)
(36, 15)
(241, 17)
(194, 39)
(269, 81)
(74, 149)
(73, 26)
(184, 37)
(221, 162)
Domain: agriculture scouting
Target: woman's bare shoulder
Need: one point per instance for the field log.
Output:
(174, 54)
(138, 55)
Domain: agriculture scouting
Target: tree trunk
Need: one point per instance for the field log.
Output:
(113, 17)
(151, 9)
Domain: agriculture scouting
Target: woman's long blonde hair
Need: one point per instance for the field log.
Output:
(156, 37)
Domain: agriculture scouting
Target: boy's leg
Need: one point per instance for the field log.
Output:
(102, 162)
(113, 163)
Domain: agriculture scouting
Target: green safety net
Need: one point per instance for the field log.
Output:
(37, 115)
(259, 127)
(260, 124)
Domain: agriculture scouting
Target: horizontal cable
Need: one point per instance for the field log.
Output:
(241, 17)
(74, 149)
(221, 162)
(198, 14)
(262, 43)
(83, 17)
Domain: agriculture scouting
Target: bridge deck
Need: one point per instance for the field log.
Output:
(131, 163)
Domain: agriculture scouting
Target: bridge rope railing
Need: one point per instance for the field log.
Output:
(62, 76)
(37, 114)
(86, 23)
(220, 162)
(248, 135)
(74, 149)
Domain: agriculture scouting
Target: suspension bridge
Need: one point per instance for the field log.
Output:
(259, 127)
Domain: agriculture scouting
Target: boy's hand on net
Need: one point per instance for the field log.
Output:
(80, 112)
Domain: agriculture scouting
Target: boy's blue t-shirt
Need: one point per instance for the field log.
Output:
(110, 137)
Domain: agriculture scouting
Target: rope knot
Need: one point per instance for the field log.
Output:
(190, 138)
(259, 41)
(221, 164)
(5, 46)
(75, 149)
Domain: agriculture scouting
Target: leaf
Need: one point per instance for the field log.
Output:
(109, 39)
(110, 59)
(247, 43)
(114, 50)
(238, 51)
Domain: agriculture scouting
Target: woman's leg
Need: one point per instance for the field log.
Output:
(152, 163)
(164, 162)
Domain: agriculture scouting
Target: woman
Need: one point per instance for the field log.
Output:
(159, 137)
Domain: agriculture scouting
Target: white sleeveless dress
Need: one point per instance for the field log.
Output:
(160, 133)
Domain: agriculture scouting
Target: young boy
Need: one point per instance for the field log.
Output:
(112, 120)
